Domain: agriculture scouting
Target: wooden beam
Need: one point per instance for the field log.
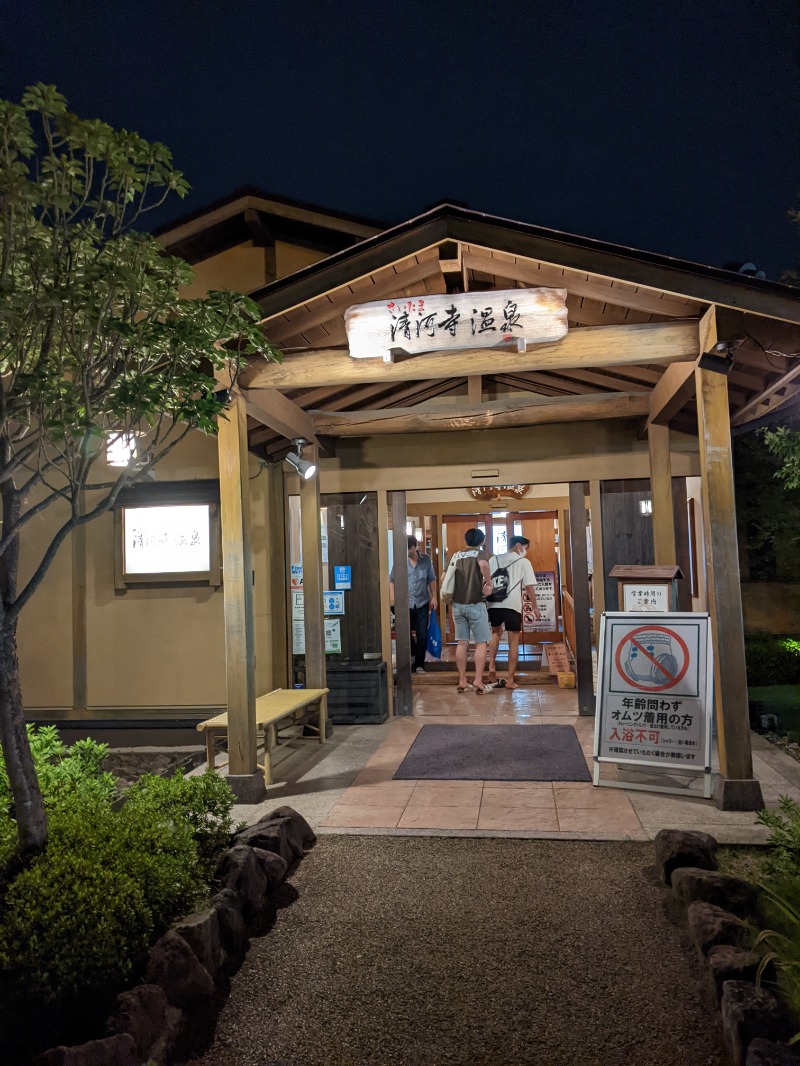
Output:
(677, 383)
(534, 273)
(383, 584)
(322, 310)
(598, 567)
(234, 497)
(580, 596)
(402, 627)
(311, 539)
(276, 585)
(279, 413)
(765, 398)
(724, 594)
(501, 413)
(474, 389)
(663, 517)
(589, 346)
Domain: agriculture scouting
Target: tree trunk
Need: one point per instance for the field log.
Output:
(28, 805)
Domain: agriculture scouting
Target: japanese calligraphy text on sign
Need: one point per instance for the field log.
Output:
(654, 692)
(456, 321)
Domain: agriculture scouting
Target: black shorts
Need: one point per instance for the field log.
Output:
(504, 616)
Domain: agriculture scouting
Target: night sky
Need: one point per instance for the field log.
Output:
(667, 126)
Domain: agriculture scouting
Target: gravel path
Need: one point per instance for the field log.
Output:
(430, 950)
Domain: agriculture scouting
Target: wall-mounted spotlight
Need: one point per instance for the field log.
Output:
(303, 467)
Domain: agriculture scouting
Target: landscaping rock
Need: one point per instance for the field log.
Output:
(731, 893)
(767, 1053)
(678, 847)
(275, 835)
(240, 870)
(749, 1013)
(175, 967)
(112, 1051)
(232, 929)
(710, 925)
(298, 823)
(273, 865)
(201, 932)
(143, 1014)
(726, 963)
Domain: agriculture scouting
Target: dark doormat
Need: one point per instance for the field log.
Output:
(495, 753)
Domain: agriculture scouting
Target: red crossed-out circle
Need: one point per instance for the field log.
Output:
(672, 680)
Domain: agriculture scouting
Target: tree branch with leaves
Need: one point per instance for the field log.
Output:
(96, 342)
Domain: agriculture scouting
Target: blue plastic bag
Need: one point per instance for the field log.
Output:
(434, 646)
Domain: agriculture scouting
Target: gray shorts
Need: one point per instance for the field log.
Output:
(471, 622)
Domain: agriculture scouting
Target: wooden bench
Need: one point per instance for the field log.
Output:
(270, 709)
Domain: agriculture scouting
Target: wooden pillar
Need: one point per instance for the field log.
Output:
(311, 538)
(665, 553)
(737, 789)
(402, 627)
(277, 595)
(244, 778)
(386, 615)
(580, 595)
(598, 573)
(80, 642)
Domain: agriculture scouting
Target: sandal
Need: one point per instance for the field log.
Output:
(464, 688)
(479, 689)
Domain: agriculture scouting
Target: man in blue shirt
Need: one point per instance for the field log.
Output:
(421, 600)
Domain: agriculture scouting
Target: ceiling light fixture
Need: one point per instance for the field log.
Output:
(303, 467)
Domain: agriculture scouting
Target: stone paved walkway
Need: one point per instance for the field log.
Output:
(347, 786)
(471, 951)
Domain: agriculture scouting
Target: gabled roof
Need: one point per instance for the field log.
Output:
(249, 213)
(582, 254)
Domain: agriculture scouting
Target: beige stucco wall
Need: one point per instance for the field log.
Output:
(240, 269)
(291, 257)
(147, 648)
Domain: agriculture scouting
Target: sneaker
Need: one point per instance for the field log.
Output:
(420, 670)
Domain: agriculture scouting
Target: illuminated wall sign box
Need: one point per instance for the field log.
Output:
(411, 325)
(167, 542)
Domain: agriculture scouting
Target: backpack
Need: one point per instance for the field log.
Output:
(449, 583)
(501, 584)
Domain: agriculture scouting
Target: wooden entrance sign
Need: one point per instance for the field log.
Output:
(510, 319)
(643, 589)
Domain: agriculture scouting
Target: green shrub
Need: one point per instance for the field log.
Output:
(77, 918)
(203, 802)
(783, 858)
(62, 771)
(772, 660)
(780, 944)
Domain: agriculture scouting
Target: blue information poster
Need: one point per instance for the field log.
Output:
(342, 578)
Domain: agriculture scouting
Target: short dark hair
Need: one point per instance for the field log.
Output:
(474, 537)
(412, 540)
(514, 541)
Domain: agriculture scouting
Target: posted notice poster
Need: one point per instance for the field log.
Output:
(654, 692)
(545, 601)
(333, 636)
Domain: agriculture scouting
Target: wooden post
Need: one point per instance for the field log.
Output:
(402, 627)
(386, 617)
(580, 595)
(736, 789)
(80, 643)
(598, 573)
(661, 495)
(234, 492)
(311, 538)
(278, 612)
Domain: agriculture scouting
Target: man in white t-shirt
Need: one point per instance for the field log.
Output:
(507, 613)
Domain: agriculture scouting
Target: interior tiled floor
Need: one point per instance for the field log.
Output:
(348, 786)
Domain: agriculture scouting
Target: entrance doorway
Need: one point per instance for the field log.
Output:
(440, 528)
